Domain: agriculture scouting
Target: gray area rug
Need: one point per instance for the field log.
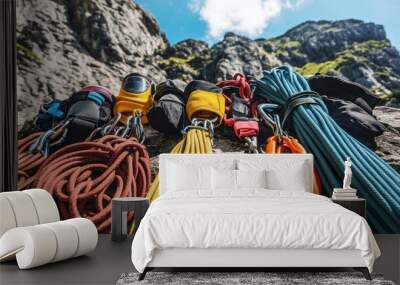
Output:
(229, 278)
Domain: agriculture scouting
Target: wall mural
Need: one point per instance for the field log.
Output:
(97, 104)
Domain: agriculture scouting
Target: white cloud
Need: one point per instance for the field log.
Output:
(247, 17)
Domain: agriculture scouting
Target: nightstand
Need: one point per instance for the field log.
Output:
(357, 205)
(119, 210)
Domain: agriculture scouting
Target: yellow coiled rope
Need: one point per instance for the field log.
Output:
(196, 140)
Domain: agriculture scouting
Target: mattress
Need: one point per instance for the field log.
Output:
(250, 219)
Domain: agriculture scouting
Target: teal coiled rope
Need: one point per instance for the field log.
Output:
(374, 179)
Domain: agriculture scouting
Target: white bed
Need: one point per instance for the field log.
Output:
(231, 226)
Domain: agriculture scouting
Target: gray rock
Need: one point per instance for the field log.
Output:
(188, 48)
(65, 45)
(321, 40)
(235, 54)
(388, 144)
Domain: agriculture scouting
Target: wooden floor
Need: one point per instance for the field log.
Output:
(106, 264)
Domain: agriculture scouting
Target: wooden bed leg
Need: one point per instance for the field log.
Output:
(364, 271)
(143, 274)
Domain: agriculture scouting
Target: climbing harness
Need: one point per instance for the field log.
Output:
(134, 96)
(87, 110)
(280, 141)
(239, 113)
(206, 102)
(84, 111)
(168, 114)
(374, 179)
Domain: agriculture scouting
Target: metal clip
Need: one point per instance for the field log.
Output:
(202, 124)
(134, 127)
(251, 144)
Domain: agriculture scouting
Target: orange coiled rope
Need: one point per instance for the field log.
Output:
(84, 177)
(28, 162)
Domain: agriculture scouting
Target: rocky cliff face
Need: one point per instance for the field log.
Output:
(66, 44)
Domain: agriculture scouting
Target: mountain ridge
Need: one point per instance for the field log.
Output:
(312, 42)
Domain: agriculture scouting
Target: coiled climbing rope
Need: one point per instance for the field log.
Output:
(28, 162)
(33, 151)
(197, 138)
(374, 179)
(84, 177)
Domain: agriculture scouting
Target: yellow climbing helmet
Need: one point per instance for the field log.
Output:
(134, 96)
(204, 101)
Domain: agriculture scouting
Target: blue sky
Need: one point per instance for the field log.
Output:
(210, 19)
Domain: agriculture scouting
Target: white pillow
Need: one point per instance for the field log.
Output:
(251, 178)
(223, 179)
(183, 177)
(291, 179)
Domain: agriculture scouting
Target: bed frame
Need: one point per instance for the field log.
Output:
(242, 259)
(245, 258)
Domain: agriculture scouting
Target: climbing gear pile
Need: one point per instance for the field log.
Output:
(90, 146)
(240, 112)
(205, 101)
(84, 177)
(168, 114)
(331, 145)
(135, 95)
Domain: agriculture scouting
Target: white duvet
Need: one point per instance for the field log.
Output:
(250, 219)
